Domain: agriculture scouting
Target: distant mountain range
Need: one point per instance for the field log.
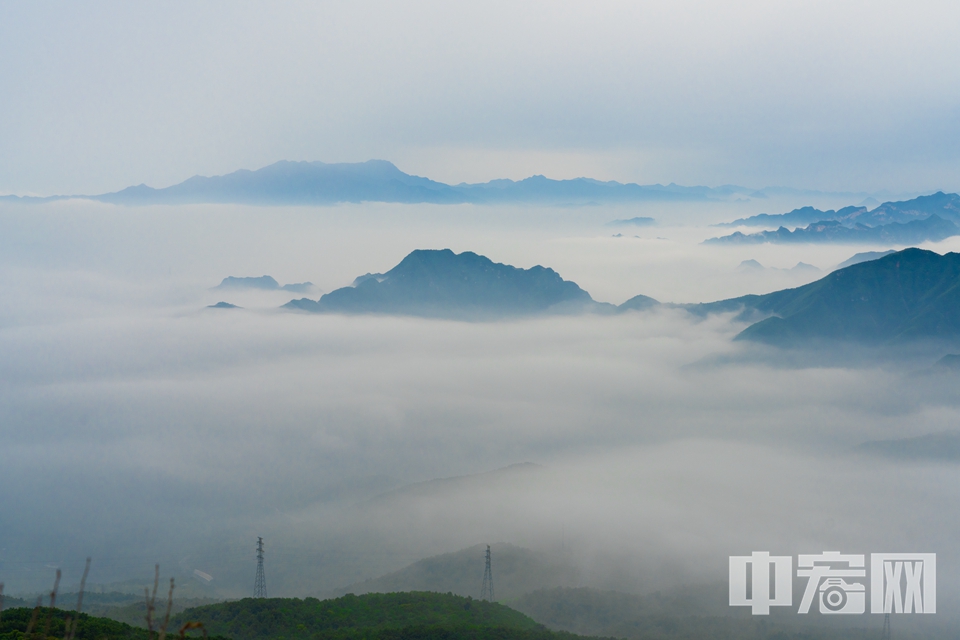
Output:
(945, 205)
(926, 218)
(865, 256)
(468, 286)
(795, 218)
(933, 228)
(752, 266)
(518, 571)
(318, 183)
(264, 283)
(908, 295)
(633, 222)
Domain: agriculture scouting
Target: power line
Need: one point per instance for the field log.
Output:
(486, 591)
(260, 585)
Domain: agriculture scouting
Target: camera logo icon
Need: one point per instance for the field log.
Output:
(839, 596)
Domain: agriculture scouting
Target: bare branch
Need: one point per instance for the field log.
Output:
(33, 618)
(166, 619)
(71, 631)
(192, 625)
(53, 602)
(152, 599)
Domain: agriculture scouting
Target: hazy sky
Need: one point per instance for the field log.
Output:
(842, 96)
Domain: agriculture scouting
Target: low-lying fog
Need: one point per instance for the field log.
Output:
(139, 426)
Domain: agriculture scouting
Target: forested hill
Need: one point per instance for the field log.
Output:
(51, 623)
(368, 616)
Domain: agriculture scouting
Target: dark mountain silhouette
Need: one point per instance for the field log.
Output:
(638, 303)
(795, 218)
(933, 228)
(908, 295)
(865, 256)
(263, 282)
(944, 205)
(448, 285)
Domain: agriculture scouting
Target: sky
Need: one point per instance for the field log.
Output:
(848, 96)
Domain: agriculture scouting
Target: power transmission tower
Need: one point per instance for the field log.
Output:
(486, 591)
(260, 586)
(886, 627)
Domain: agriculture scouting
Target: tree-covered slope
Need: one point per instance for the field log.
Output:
(341, 617)
(15, 622)
(445, 284)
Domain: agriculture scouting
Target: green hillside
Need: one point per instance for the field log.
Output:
(128, 607)
(14, 624)
(516, 570)
(365, 616)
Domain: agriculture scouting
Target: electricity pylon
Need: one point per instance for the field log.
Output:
(486, 591)
(260, 585)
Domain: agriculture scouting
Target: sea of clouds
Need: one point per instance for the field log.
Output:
(139, 426)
